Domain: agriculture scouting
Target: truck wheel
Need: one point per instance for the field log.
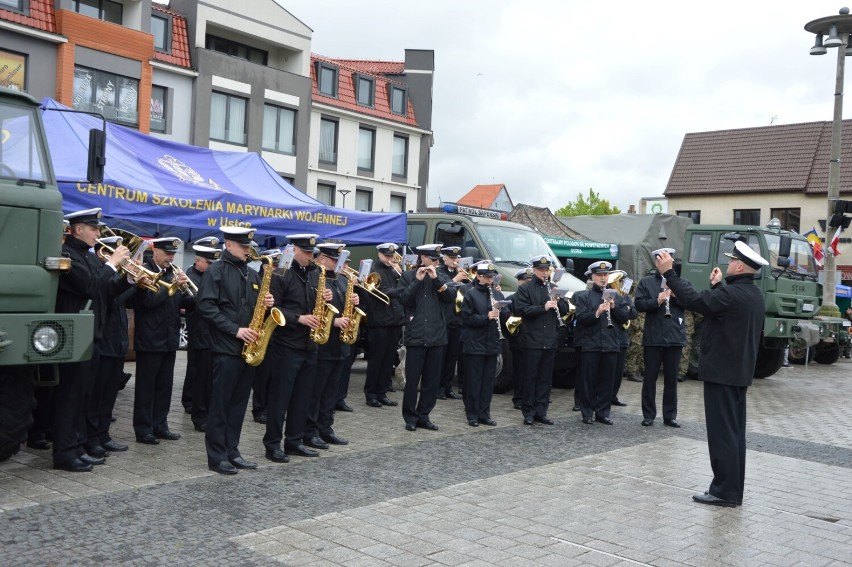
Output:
(797, 354)
(769, 360)
(504, 370)
(827, 353)
(16, 409)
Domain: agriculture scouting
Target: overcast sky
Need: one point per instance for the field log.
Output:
(554, 97)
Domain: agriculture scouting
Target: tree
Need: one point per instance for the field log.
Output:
(593, 206)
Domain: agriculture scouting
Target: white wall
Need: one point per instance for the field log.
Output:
(180, 115)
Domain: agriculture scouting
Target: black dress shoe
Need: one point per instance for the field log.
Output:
(333, 439)
(647, 422)
(187, 409)
(617, 402)
(452, 395)
(473, 423)
(488, 421)
(96, 451)
(588, 420)
(410, 427)
(575, 408)
(241, 463)
(544, 419)
(90, 460)
(442, 396)
(428, 425)
(635, 377)
(301, 451)
(316, 443)
(112, 419)
(73, 466)
(40, 444)
(148, 439)
(711, 500)
(528, 421)
(374, 403)
(260, 418)
(671, 422)
(202, 427)
(386, 401)
(517, 405)
(223, 468)
(604, 420)
(277, 456)
(115, 447)
(167, 435)
(343, 406)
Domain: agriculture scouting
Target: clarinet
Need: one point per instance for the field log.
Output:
(491, 296)
(559, 320)
(608, 317)
(668, 314)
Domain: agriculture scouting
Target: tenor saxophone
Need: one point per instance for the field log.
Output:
(350, 334)
(254, 352)
(324, 311)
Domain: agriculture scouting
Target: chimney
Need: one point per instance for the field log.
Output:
(631, 210)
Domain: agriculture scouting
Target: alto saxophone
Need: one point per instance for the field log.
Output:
(254, 352)
(350, 334)
(324, 311)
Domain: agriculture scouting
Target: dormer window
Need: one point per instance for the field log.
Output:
(398, 100)
(365, 90)
(327, 79)
(160, 28)
(105, 10)
(13, 5)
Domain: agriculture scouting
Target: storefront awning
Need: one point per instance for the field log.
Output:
(568, 248)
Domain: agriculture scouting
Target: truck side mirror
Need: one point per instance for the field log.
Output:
(569, 265)
(784, 246)
(97, 156)
(473, 252)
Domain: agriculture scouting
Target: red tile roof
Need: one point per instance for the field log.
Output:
(375, 67)
(481, 196)
(41, 17)
(180, 42)
(346, 92)
(792, 157)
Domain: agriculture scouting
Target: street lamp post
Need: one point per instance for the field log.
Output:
(835, 30)
(344, 192)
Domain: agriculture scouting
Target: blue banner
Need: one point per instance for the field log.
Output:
(168, 184)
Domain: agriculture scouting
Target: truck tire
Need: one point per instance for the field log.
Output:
(797, 354)
(827, 353)
(769, 361)
(504, 370)
(16, 409)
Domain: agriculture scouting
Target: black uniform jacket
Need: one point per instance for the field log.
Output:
(379, 314)
(295, 292)
(624, 333)
(480, 333)
(115, 341)
(333, 349)
(226, 300)
(156, 316)
(196, 325)
(659, 330)
(595, 335)
(454, 319)
(427, 325)
(733, 321)
(540, 329)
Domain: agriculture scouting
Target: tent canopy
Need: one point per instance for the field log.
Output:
(153, 182)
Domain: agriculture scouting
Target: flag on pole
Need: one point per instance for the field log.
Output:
(835, 242)
(815, 243)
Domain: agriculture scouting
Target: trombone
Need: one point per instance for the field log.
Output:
(131, 266)
(396, 264)
(370, 283)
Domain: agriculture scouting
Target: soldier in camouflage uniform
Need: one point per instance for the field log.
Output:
(693, 345)
(634, 366)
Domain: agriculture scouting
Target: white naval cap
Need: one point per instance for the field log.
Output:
(746, 255)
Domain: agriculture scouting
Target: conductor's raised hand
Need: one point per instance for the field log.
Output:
(664, 262)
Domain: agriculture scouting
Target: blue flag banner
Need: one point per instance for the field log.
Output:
(153, 181)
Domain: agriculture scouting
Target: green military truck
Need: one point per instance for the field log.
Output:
(791, 291)
(33, 338)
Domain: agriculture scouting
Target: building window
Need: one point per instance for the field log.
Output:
(750, 217)
(160, 27)
(105, 10)
(363, 200)
(325, 194)
(327, 79)
(694, 215)
(790, 218)
(13, 70)
(228, 118)
(328, 141)
(279, 129)
(366, 148)
(365, 90)
(112, 95)
(397, 203)
(15, 5)
(158, 109)
(234, 49)
(398, 102)
(399, 157)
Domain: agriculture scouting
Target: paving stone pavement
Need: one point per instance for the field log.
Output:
(569, 494)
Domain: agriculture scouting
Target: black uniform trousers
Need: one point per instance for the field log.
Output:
(188, 381)
(596, 370)
(725, 417)
(155, 374)
(384, 342)
(451, 360)
(202, 383)
(69, 399)
(349, 354)
(95, 384)
(617, 376)
(669, 358)
(479, 377)
(111, 371)
(517, 374)
(423, 368)
(289, 395)
(323, 399)
(230, 390)
(538, 379)
(260, 387)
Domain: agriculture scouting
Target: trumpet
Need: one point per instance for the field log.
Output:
(370, 283)
(187, 287)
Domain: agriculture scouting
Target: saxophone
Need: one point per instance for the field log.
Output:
(350, 334)
(324, 311)
(254, 352)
